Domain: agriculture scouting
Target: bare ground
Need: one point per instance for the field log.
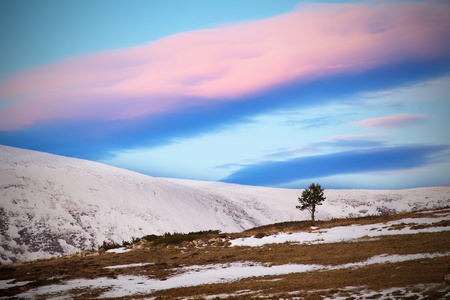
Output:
(414, 279)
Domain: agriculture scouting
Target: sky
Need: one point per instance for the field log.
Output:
(279, 93)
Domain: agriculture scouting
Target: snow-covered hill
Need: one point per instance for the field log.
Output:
(54, 205)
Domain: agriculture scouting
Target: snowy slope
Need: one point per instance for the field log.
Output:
(56, 205)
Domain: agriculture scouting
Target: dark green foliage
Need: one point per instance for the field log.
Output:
(151, 237)
(278, 227)
(110, 245)
(6, 268)
(178, 238)
(113, 245)
(167, 239)
(310, 198)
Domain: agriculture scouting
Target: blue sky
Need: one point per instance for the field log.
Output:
(351, 94)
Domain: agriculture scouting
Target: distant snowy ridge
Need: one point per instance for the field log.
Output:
(53, 205)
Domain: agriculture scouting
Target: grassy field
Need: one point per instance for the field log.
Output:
(337, 270)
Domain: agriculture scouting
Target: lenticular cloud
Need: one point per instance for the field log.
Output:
(206, 67)
(392, 122)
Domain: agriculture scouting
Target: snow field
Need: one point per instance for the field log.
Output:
(126, 285)
(346, 233)
(53, 205)
(408, 292)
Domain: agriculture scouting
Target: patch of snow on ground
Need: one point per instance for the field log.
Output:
(6, 284)
(207, 274)
(441, 214)
(128, 266)
(385, 258)
(395, 292)
(408, 292)
(344, 233)
(119, 250)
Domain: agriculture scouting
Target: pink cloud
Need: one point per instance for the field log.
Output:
(392, 122)
(203, 67)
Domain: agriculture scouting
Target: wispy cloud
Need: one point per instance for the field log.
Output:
(203, 81)
(357, 141)
(353, 141)
(272, 173)
(315, 122)
(393, 121)
(206, 67)
(289, 152)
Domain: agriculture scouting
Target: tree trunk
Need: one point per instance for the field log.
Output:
(313, 210)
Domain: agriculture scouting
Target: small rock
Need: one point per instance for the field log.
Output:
(447, 278)
(260, 235)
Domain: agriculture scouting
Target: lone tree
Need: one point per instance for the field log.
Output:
(310, 198)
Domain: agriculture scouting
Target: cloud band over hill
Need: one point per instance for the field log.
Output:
(271, 173)
(202, 82)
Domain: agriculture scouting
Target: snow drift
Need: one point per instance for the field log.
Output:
(53, 205)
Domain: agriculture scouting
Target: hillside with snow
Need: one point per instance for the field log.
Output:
(53, 205)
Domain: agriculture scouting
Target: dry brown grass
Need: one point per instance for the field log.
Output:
(167, 260)
(373, 277)
(367, 220)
